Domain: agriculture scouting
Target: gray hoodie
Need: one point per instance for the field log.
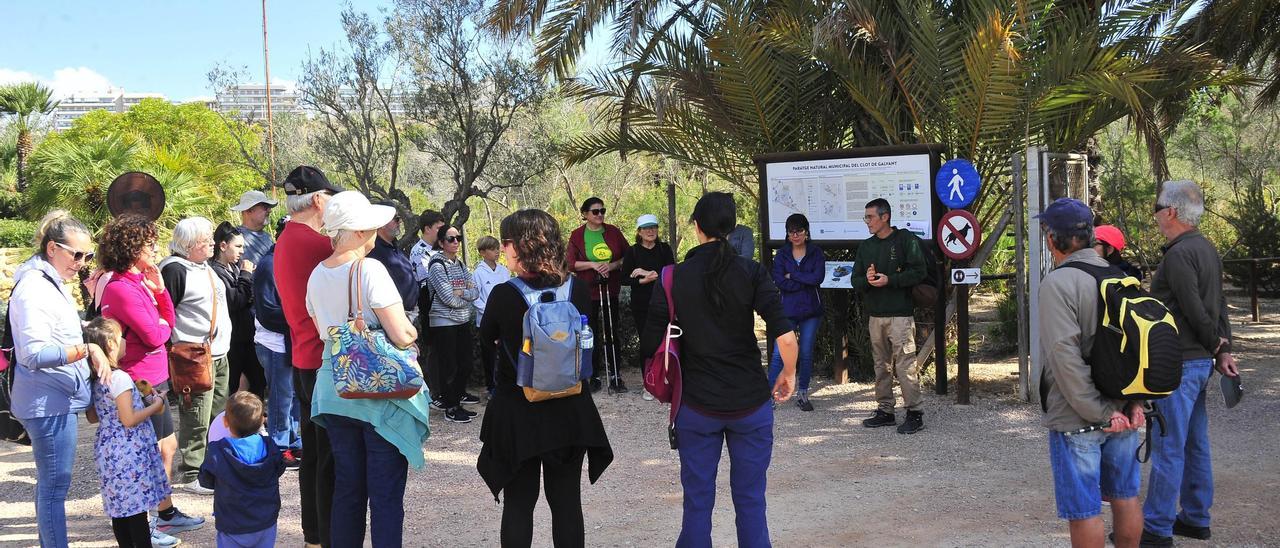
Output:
(192, 286)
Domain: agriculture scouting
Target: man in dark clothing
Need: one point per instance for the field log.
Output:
(886, 266)
(1189, 282)
(386, 252)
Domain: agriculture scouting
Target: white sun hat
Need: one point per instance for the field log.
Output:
(252, 198)
(350, 210)
(648, 219)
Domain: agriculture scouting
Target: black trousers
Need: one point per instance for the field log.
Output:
(243, 358)
(315, 475)
(602, 339)
(488, 361)
(451, 361)
(641, 315)
(424, 341)
(561, 472)
(133, 531)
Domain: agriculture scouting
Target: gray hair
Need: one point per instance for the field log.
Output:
(55, 227)
(1070, 240)
(188, 232)
(1186, 197)
(299, 203)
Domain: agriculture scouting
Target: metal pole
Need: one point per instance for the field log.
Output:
(962, 344)
(1253, 288)
(1019, 279)
(671, 214)
(266, 65)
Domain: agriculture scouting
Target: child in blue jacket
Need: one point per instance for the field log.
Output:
(798, 269)
(244, 471)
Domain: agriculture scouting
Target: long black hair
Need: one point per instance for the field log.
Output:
(717, 215)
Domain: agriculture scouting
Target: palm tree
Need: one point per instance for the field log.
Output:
(74, 175)
(25, 100)
(1242, 32)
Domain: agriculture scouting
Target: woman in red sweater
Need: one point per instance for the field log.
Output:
(136, 298)
(594, 256)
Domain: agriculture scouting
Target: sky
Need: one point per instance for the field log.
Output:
(147, 46)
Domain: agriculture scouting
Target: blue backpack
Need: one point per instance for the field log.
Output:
(551, 362)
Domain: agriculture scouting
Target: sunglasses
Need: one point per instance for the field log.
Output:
(453, 239)
(596, 211)
(1159, 208)
(77, 255)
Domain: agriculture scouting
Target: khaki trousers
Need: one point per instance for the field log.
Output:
(893, 347)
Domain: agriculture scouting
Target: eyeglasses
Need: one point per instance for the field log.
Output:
(599, 211)
(1159, 208)
(77, 255)
(800, 232)
(453, 239)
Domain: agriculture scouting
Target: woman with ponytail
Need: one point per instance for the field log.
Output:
(548, 440)
(726, 393)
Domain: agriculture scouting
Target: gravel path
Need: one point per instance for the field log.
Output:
(977, 475)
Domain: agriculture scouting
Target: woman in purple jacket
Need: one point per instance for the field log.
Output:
(798, 268)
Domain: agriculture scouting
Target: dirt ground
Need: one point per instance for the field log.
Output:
(978, 475)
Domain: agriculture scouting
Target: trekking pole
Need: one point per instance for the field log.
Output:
(606, 339)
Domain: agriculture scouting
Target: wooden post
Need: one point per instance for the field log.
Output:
(962, 341)
(1253, 288)
(940, 332)
(840, 367)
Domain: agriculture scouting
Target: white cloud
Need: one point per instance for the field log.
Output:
(65, 81)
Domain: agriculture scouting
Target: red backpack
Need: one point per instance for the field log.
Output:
(662, 371)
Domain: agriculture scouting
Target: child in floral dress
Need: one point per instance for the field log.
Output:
(133, 478)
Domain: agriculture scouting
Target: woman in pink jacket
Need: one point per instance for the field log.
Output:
(136, 297)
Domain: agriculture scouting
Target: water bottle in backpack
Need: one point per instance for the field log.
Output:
(588, 342)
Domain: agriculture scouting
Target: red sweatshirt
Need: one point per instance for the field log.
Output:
(126, 300)
(577, 252)
(298, 250)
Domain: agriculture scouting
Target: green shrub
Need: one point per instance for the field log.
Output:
(11, 205)
(16, 232)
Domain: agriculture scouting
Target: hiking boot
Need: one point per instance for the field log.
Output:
(914, 423)
(457, 414)
(1152, 540)
(1182, 529)
(290, 461)
(178, 523)
(595, 384)
(880, 418)
(468, 397)
(804, 404)
(618, 386)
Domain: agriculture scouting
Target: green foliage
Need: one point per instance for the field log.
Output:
(16, 232)
(188, 148)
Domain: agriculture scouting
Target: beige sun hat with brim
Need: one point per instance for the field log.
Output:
(252, 198)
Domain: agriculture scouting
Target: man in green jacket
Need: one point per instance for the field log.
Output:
(886, 266)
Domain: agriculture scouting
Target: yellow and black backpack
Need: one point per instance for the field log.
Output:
(1136, 352)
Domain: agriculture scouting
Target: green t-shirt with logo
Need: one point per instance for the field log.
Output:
(597, 249)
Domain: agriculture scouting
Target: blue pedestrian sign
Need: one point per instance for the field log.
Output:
(957, 183)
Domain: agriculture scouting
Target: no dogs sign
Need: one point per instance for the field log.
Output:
(958, 234)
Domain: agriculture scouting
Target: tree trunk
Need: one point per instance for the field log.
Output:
(25, 148)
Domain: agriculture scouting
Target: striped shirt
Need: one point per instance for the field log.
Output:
(448, 308)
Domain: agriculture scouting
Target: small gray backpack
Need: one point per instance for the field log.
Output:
(551, 362)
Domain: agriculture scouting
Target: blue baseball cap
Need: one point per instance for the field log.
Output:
(1066, 214)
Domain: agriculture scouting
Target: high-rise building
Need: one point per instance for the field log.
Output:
(75, 106)
(249, 101)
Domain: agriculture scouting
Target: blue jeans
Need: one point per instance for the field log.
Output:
(53, 447)
(1090, 466)
(370, 474)
(807, 331)
(750, 441)
(283, 408)
(1181, 470)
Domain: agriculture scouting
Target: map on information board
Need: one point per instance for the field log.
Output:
(833, 194)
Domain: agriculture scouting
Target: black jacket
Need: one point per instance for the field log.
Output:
(719, 354)
(266, 301)
(239, 299)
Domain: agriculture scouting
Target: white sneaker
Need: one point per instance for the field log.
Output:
(646, 395)
(195, 488)
(162, 540)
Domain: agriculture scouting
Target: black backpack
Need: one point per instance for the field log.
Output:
(925, 293)
(10, 428)
(1136, 352)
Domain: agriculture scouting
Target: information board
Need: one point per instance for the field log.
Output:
(833, 194)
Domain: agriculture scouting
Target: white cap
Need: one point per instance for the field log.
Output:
(648, 219)
(350, 210)
(252, 198)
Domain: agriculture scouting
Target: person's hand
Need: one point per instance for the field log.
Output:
(458, 292)
(162, 321)
(158, 396)
(1118, 423)
(1227, 365)
(602, 269)
(871, 272)
(637, 273)
(786, 276)
(247, 265)
(471, 284)
(879, 280)
(784, 387)
(151, 279)
(91, 283)
(1137, 415)
(650, 277)
(98, 359)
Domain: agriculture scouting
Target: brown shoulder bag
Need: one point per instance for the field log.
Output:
(191, 364)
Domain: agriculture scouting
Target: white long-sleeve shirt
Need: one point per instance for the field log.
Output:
(486, 279)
